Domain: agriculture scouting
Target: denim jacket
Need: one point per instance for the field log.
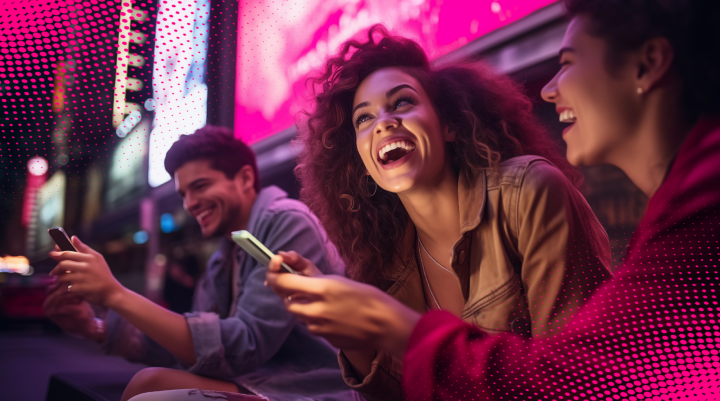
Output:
(258, 345)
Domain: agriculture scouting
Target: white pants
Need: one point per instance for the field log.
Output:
(195, 395)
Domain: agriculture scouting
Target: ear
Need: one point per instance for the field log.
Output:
(448, 136)
(655, 59)
(245, 178)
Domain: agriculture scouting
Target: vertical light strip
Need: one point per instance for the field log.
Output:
(125, 60)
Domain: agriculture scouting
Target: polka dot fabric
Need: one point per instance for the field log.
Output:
(649, 334)
(58, 67)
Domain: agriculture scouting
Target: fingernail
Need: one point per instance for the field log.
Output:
(265, 283)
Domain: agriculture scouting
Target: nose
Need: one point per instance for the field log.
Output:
(385, 123)
(189, 203)
(550, 92)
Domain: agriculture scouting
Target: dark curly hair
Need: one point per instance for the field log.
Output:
(217, 145)
(691, 27)
(492, 120)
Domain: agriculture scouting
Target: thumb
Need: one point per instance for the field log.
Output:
(275, 263)
(79, 245)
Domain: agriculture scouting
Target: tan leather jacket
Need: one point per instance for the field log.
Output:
(531, 253)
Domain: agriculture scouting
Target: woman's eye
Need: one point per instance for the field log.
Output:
(403, 101)
(361, 119)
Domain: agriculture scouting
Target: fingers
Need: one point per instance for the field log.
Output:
(276, 263)
(68, 265)
(69, 255)
(59, 297)
(80, 246)
(292, 283)
(309, 311)
(300, 264)
(51, 288)
(290, 257)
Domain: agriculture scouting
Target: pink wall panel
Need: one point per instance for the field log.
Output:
(280, 42)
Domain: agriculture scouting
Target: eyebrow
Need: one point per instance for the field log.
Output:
(397, 88)
(565, 49)
(387, 94)
(360, 105)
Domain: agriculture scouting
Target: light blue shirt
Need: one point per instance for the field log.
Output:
(258, 345)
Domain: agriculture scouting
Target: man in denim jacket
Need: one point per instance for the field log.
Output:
(239, 337)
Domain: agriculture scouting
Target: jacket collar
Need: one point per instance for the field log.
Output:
(264, 199)
(472, 196)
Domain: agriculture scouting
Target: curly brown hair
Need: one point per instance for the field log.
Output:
(491, 117)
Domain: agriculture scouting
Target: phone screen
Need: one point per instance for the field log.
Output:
(61, 239)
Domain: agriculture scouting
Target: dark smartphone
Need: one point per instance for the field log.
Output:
(61, 239)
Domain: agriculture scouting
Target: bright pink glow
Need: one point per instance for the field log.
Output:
(280, 43)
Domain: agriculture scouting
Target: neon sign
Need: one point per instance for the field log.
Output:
(280, 43)
(125, 60)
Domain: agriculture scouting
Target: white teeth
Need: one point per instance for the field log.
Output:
(567, 116)
(202, 214)
(409, 146)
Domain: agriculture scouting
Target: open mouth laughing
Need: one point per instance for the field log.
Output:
(393, 152)
(567, 116)
(204, 215)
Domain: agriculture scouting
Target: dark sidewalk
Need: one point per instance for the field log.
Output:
(28, 359)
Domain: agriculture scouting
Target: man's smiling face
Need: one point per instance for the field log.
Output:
(209, 196)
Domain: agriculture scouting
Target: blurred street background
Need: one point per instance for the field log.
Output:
(94, 92)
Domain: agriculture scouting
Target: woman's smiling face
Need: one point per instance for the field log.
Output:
(398, 133)
(603, 106)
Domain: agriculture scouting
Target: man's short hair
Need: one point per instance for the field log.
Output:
(218, 146)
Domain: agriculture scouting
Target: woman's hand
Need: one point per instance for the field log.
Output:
(297, 262)
(86, 274)
(350, 315)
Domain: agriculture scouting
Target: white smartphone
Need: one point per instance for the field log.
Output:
(256, 249)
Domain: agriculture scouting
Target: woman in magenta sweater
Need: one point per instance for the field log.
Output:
(639, 83)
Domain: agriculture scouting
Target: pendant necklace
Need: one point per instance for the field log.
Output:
(422, 266)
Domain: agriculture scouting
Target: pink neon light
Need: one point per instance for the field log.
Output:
(279, 43)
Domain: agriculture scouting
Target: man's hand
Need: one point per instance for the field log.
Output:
(86, 274)
(72, 313)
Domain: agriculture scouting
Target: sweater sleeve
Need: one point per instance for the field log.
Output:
(652, 332)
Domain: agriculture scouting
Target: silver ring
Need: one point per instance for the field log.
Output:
(69, 287)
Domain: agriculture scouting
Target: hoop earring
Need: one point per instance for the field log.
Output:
(376, 187)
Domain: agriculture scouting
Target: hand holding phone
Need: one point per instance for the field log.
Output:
(256, 249)
(61, 239)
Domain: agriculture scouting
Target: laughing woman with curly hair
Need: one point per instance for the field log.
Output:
(438, 187)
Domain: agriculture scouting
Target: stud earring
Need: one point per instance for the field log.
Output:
(640, 91)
